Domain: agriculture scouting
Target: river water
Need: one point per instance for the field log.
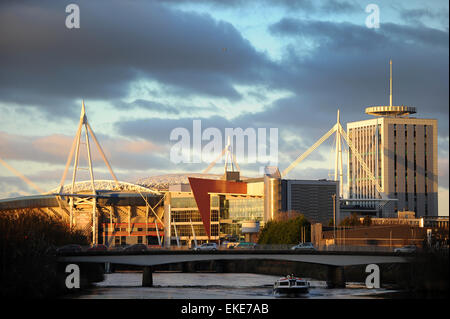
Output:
(175, 285)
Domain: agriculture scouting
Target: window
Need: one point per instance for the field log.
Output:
(152, 240)
(139, 239)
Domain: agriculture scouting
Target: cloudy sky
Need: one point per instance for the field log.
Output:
(145, 68)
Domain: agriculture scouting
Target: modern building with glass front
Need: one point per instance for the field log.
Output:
(214, 210)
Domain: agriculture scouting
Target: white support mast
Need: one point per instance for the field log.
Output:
(337, 128)
(309, 151)
(21, 176)
(176, 233)
(157, 234)
(74, 200)
(229, 158)
(338, 165)
(193, 233)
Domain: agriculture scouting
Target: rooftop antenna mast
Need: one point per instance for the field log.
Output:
(390, 82)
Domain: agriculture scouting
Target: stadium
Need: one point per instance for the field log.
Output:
(174, 209)
(186, 209)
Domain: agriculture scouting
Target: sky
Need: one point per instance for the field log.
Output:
(145, 68)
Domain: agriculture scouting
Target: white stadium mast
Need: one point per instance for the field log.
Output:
(340, 132)
(229, 158)
(21, 176)
(74, 198)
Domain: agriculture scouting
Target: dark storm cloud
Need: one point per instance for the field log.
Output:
(345, 35)
(333, 6)
(157, 130)
(417, 15)
(304, 4)
(116, 44)
(148, 105)
(328, 6)
(348, 67)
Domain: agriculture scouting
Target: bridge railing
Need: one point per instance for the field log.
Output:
(353, 248)
(331, 248)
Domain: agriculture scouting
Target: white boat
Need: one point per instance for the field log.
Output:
(291, 285)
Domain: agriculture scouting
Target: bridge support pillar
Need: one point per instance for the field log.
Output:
(107, 268)
(218, 266)
(336, 277)
(188, 267)
(147, 277)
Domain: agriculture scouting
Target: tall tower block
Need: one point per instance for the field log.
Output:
(401, 152)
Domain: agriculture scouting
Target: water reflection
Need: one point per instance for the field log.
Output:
(173, 285)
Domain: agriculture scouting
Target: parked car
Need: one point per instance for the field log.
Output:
(206, 246)
(99, 247)
(230, 244)
(232, 241)
(51, 250)
(71, 248)
(406, 249)
(136, 247)
(245, 245)
(304, 246)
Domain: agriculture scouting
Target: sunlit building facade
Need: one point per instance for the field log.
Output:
(201, 210)
(401, 153)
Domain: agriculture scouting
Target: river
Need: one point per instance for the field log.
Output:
(176, 285)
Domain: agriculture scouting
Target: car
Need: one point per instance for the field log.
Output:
(136, 247)
(51, 250)
(304, 246)
(99, 247)
(230, 244)
(406, 249)
(206, 246)
(245, 245)
(71, 248)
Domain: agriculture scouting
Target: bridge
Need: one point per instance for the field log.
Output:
(335, 261)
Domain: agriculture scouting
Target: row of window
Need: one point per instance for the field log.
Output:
(199, 230)
(148, 240)
(189, 202)
(415, 167)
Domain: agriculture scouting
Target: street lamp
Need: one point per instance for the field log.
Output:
(334, 217)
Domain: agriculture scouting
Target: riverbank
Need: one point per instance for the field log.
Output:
(28, 268)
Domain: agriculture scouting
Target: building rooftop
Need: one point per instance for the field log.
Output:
(390, 110)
